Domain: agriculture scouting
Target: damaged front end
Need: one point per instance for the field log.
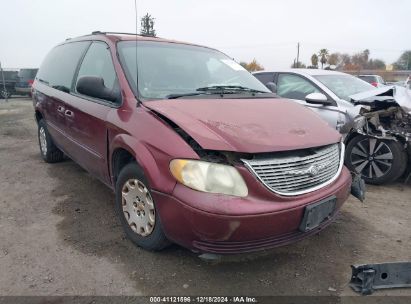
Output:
(379, 134)
(384, 120)
(384, 114)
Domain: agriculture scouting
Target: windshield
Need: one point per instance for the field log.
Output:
(167, 69)
(344, 85)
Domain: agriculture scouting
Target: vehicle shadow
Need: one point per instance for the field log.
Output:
(89, 224)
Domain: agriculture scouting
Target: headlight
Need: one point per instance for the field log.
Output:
(209, 177)
(360, 122)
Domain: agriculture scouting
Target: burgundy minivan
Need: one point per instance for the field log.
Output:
(197, 150)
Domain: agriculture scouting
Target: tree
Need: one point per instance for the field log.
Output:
(323, 54)
(404, 62)
(334, 59)
(253, 66)
(244, 64)
(298, 65)
(345, 60)
(147, 26)
(314, 61)
(366, 55)
(355, 62)
(358, 61)
(375, 64)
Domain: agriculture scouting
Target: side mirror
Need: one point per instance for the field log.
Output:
(94, 87)
(317, 98)
(271, 86)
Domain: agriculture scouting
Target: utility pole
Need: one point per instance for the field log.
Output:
(4, 83)
(298, 54)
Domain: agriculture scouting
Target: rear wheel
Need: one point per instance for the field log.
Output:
(378, 161)
(5, 93)
(137, 210)
(49, 152)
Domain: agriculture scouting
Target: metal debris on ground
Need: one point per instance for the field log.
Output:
(369, 277)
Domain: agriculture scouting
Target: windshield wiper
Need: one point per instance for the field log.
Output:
(217, 89)
(175, 96)
(231, 89)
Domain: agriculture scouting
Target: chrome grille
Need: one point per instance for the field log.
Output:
(298, 172)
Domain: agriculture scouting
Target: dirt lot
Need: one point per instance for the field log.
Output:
(60, 236)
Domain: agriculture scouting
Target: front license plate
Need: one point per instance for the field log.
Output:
(317, 213)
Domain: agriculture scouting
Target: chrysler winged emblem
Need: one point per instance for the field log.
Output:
(312, 170)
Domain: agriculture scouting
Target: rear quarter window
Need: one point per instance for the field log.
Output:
(60, 65)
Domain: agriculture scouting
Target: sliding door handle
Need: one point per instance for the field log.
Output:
(69, 113)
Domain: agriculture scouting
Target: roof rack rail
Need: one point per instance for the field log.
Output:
(104, 33)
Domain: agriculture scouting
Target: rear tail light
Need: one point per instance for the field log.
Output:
(375, 84)
(30, 82)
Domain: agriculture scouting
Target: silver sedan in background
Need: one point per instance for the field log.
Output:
(376, 122)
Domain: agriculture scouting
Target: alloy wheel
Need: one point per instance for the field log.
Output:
(372, 158)
(138, 207)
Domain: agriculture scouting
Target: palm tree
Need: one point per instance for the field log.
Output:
(366, 54)
(314, 60)
(323, 57)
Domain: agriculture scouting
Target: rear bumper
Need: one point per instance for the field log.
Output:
(209, 231)
(23, 90)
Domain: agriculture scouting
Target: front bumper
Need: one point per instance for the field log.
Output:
(205, 222)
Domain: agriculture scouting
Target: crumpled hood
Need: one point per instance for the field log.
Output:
(247, 125)
(396, 94)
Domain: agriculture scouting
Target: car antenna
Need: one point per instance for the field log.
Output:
(135, 8)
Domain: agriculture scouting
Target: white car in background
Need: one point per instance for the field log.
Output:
(375, 80)
(376, 122)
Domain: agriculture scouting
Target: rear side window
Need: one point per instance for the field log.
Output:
(60, 65)
(265, 77)
(98, 63)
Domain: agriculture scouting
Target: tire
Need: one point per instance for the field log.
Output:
(5, 93)
(138, 215)
(48, 150)
(379, 161)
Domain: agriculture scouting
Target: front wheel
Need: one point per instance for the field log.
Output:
(379, 161)
(137, 210)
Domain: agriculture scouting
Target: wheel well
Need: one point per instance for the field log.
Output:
(39, 116)
(121, 157)
(350, 137)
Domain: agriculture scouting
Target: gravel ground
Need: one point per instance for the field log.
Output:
(60, 236)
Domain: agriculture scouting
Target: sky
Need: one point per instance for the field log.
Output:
(267, 30)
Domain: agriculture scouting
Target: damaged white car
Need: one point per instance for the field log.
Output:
(376, 122)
